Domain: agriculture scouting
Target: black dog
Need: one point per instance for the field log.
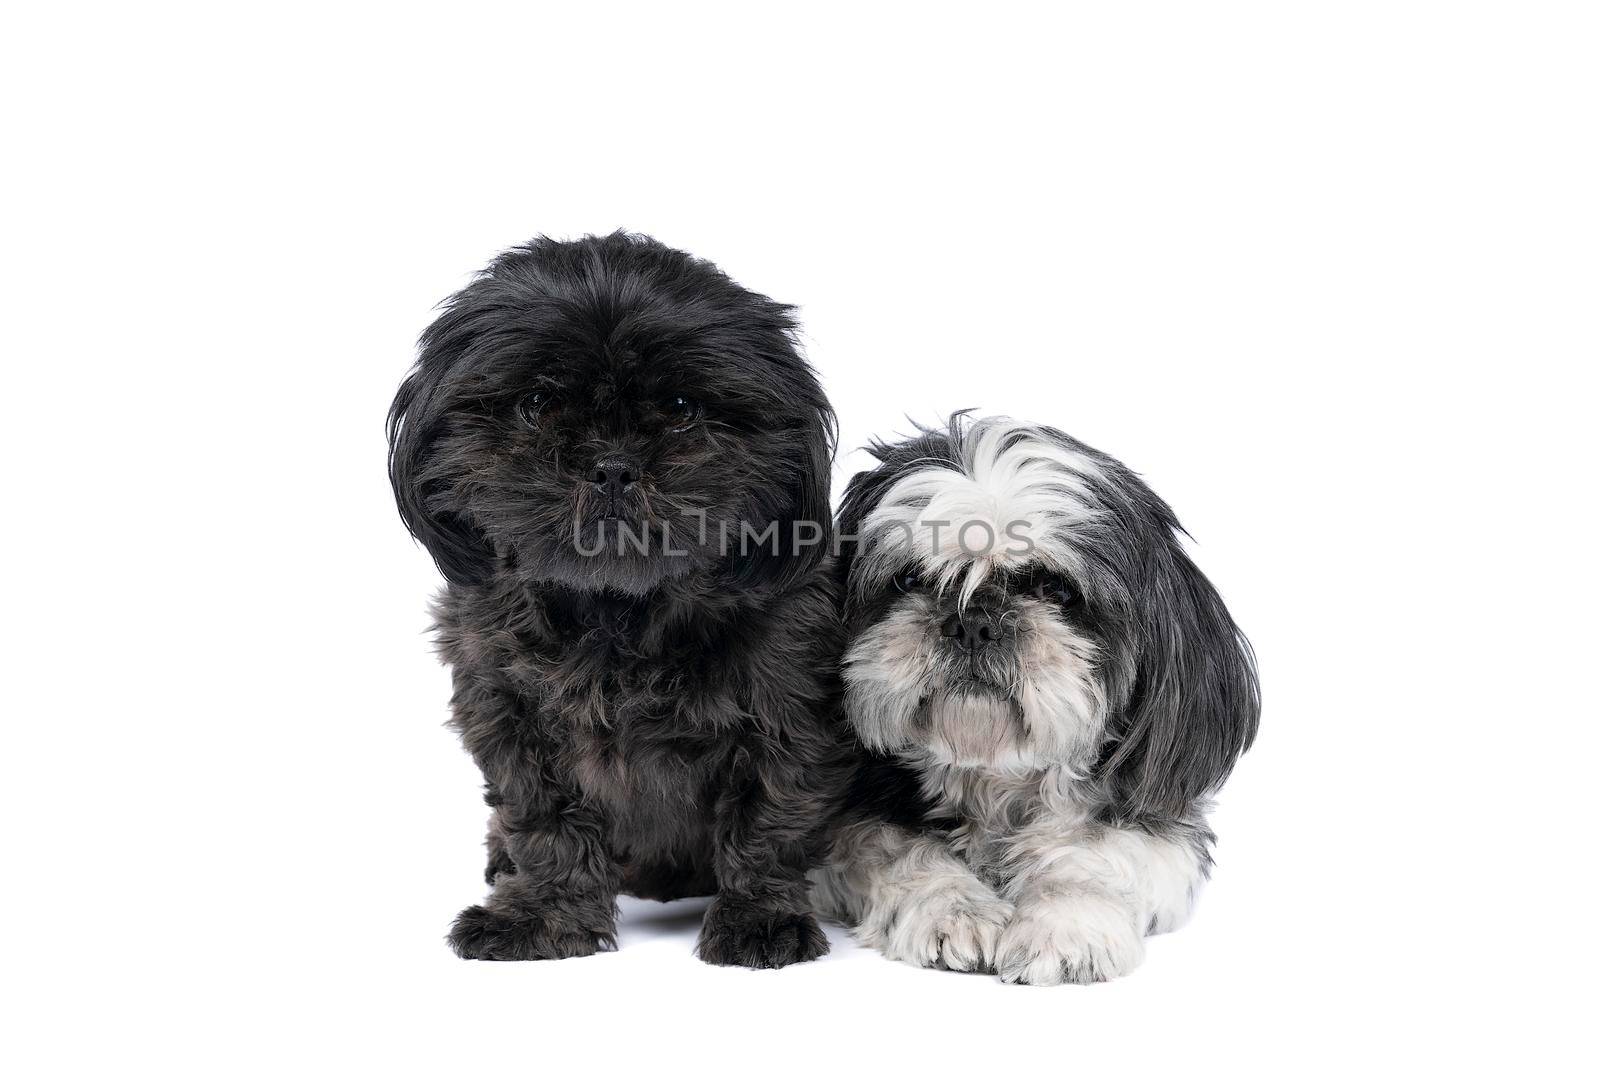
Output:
(620, 463)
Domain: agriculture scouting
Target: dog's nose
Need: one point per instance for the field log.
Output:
(970, 630)
(613, 476)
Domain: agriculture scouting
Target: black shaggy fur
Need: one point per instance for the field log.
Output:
(658, 718)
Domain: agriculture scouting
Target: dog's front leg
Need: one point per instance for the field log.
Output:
(495, 843)
(910, 897)
(557, 895)
(1086, 898)
(769, 817)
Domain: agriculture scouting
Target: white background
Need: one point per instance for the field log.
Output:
(1326, 274)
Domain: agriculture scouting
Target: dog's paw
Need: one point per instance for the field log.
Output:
(1075, 937)
(482, 933)
(957, 928)
(750, 935)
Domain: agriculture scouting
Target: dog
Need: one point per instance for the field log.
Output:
(591, 433)
(1050, 692)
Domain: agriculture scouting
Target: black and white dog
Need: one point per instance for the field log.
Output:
(1054, 691)
(591, 432)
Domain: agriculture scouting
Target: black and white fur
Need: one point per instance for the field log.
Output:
(1052, 697)
(659, 718)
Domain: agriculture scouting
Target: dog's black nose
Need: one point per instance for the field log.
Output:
(971, 630)
(614, 475)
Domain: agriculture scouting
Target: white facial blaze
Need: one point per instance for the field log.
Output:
(1016, 495)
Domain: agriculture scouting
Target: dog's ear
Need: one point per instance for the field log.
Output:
(868, 488)
(852, 510)
(1195, 701)
(804, 519)
(416, 433)
(861, 497)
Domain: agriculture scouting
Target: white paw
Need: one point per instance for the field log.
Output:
(955, 927)
(1074, 937)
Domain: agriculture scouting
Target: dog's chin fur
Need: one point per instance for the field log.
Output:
(1053, 780)
(650, 715)
(623, 571)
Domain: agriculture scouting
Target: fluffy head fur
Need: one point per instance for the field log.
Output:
(563, 356)
(1112, 656)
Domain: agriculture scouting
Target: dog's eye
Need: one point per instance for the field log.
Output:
(532, 405)
(1050, 587)
(907, 580)
(682, 410)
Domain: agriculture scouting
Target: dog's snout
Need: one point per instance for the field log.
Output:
(970, 630)
(614, 475)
